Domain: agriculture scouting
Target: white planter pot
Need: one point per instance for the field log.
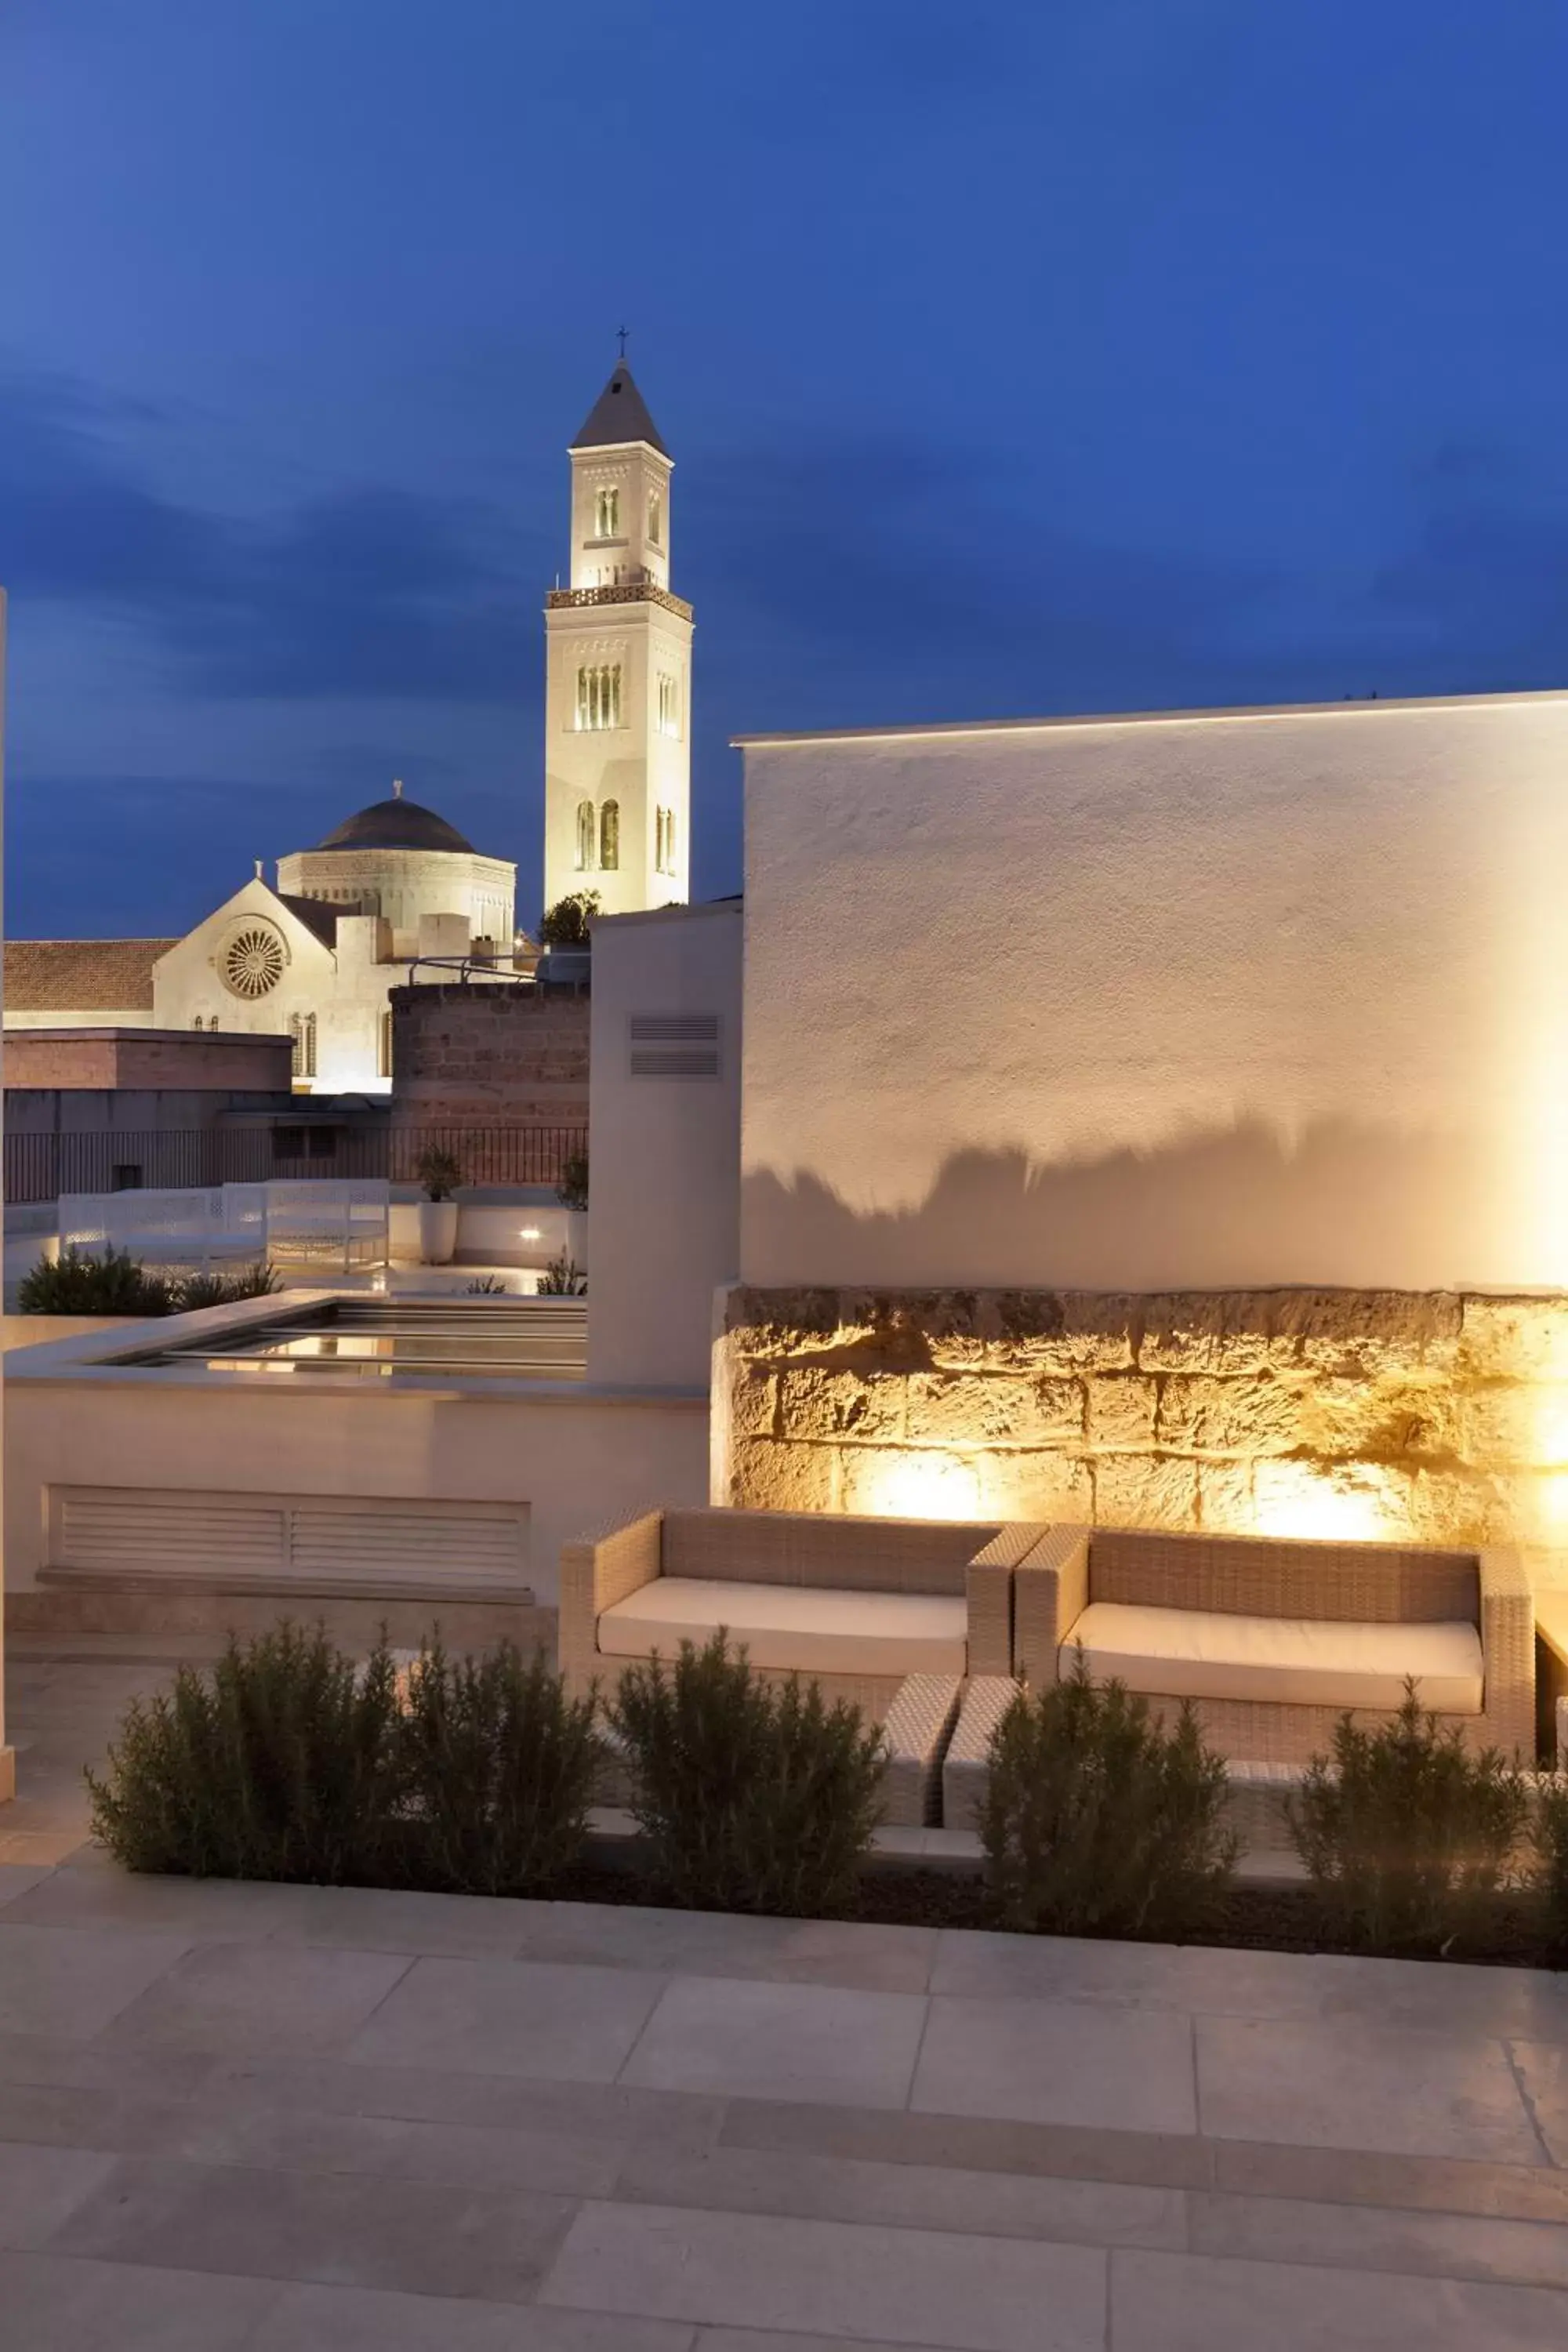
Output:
(577, 1237)
(437, 1232)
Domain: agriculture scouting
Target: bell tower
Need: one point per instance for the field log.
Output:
(617, 701)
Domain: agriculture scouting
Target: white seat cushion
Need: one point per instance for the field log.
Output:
(1303, 1660)
(794, 1625)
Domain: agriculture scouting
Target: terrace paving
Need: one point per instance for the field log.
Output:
(280, 2118)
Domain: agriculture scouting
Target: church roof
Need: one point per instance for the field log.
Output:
(619, 414)
(315, 914)
(82, 975)
(396, 825)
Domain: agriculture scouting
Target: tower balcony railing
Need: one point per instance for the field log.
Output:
(640, 587)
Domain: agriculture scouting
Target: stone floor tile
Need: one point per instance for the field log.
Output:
(62, 1981)
(707, 1943)
(42, 1847)
(747, 2339)
(259, 1997)
(52, 2304)
(1542, 2070)
(1196, 2302)
(832, 2279)
(41, 2187)
(19, 1877)
(973, 2143)
(905, 2196)
(781, 2041)
(1418, 2184)
(420, 2237)
(363, 2319)
(398, 1919)
(1348, 2083)
(1370, 2237)
(202, 1909)
(1058, 2062)
(1416, 1995)
(511, 2017)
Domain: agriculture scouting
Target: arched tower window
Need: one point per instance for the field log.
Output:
(585, 837)
(303, 1030)
(607, 514)
(655, 518)
(610, 836)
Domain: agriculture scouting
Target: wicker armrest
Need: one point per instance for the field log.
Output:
(1508, 1651)
(596, 1573)
(988, 1588)
(1050, 1593)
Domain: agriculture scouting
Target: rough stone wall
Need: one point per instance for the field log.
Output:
(486, 1055)
(1307, 1413)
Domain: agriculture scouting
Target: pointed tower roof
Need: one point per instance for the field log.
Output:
(619, 414)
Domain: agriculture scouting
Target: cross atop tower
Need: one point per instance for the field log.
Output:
(621, 333)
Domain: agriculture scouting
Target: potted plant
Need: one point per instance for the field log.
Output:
(439, 1176)
(571, 1191)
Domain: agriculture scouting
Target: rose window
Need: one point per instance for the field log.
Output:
(253, 961)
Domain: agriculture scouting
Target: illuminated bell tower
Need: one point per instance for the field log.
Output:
(617, 700)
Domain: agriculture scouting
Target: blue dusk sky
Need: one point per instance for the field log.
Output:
(1067, 355)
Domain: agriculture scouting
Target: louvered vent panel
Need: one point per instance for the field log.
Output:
(674, 1044)
(412, 1546)
(114, 1532)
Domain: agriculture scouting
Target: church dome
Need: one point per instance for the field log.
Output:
(395, 824)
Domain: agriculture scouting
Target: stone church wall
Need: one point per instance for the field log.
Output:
(1441, 1415)
(488, 1055)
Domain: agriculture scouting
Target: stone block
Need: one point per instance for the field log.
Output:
(1074, 1331)
(981, 1409)
(818, 1403)
(1515, 1339)
(1400, 1417)
(1121, 1410)
(1359, 1333)
(1029, 1484)
(753, 1400)
(768, 1474)
(1348, 1502)
(774, 1323)
(1197, 1331)
(1460, 1506)
(1133, 1490)
(1505, 1424)
(1257, 1413)
(909, 1482)
(1225, 1505)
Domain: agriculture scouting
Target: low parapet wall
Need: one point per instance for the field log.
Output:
(1439, 1415)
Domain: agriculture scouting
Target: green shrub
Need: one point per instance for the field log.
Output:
(499, 1770)
(565, 925)
(439, 1173)
(78, 1283)
(1405, 1834)
(280, 1761)
(754, 1796)
(194, 1290)
(563, 1279)
(1552, 1863)
(1099, 1821)
(571, 1191)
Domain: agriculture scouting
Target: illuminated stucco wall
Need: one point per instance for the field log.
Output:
(1208, 1001)
(1292, 1412)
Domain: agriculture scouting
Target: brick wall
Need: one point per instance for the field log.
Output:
(1348, 1413)
(489, 1055)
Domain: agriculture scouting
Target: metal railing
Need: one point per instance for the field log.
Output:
(42, 1167)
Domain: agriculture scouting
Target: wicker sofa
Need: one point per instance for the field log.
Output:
(1274, 1641)
(861, 1604)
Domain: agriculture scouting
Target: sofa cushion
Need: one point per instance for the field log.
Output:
(814, 1628)
(1304, 1661)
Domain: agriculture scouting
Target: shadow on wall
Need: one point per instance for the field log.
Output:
(1346, 1205)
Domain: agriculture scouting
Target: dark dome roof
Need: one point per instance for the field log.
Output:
(396, 824)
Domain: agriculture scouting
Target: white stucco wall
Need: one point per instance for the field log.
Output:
(1198, 1001)
(664, 1151)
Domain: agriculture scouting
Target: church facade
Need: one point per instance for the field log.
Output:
(395, 894)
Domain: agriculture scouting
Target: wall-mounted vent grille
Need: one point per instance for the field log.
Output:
(674, 1044)
(325, 1544)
